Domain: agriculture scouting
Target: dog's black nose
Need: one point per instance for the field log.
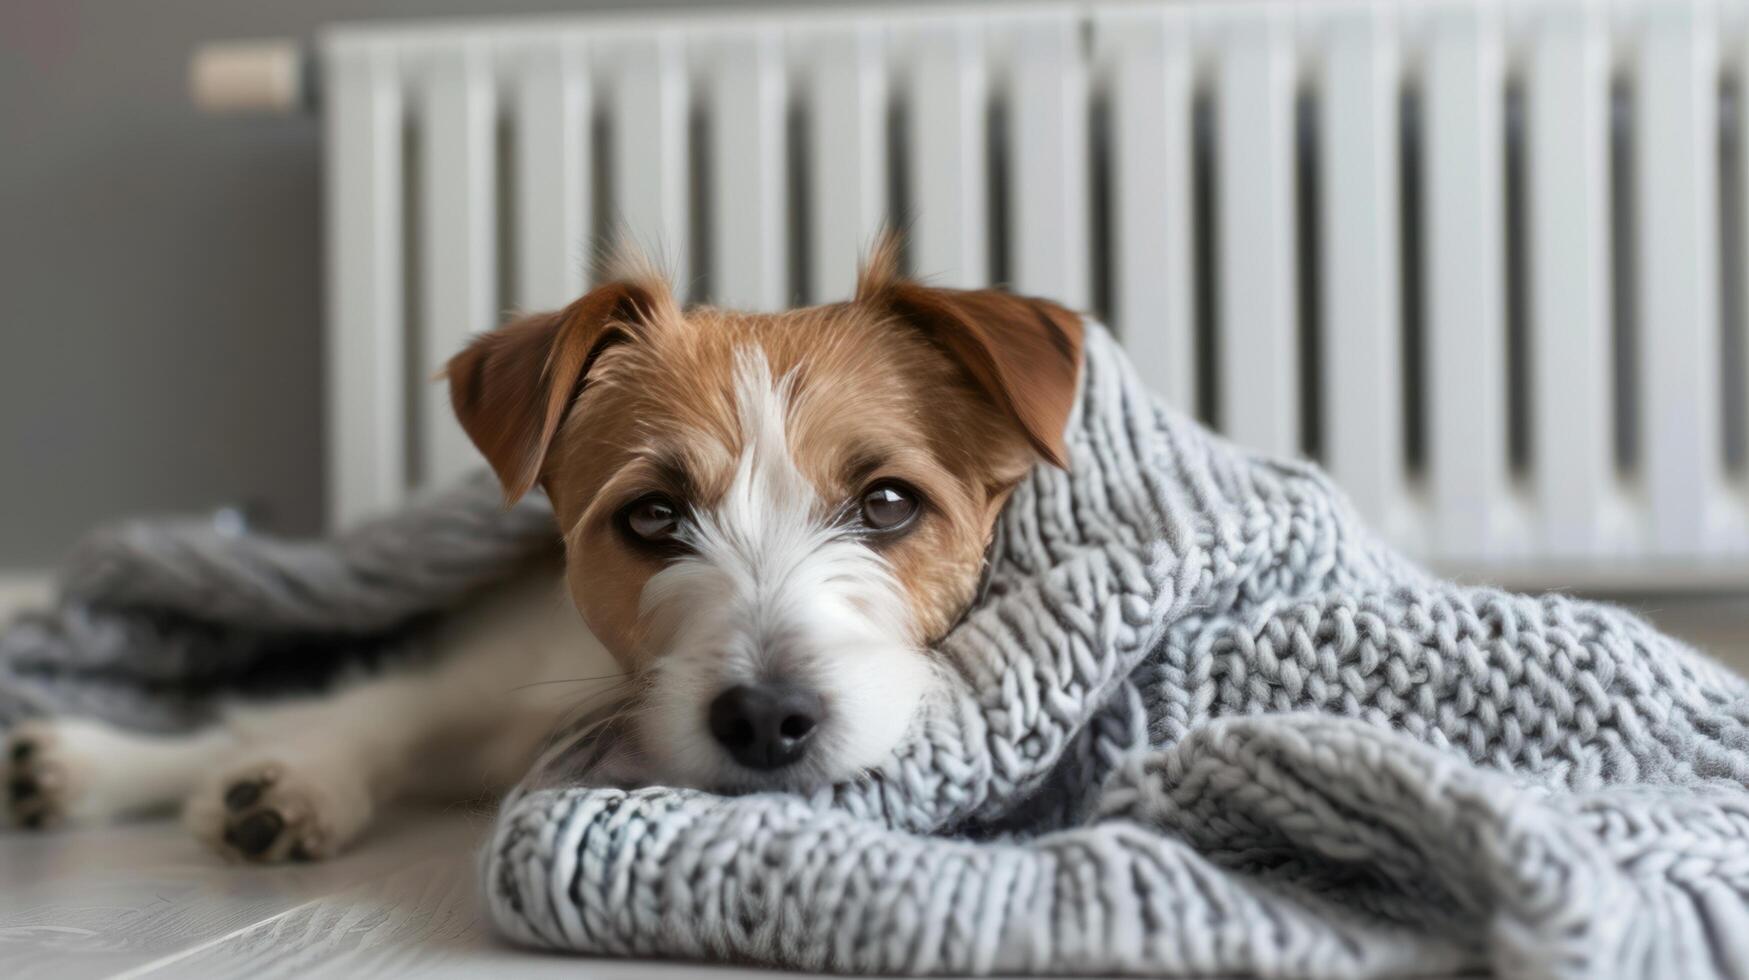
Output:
(765, 726)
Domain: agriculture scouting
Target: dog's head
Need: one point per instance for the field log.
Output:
(768, 518)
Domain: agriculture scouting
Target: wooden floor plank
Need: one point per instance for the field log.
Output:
(419, 922)
(145, 901)
(99, 902)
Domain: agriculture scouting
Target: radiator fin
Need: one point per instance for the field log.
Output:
(367, 422)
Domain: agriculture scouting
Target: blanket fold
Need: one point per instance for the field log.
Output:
(159, 621)
(1201, 722)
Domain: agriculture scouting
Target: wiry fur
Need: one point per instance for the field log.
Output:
(768, 429)
(776, 587)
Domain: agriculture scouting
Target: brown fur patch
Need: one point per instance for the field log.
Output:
(956, 393)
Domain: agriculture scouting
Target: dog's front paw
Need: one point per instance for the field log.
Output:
(44, 775)
(271, 812)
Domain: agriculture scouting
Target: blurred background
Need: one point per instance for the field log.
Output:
(161, 269)
(1484, 261)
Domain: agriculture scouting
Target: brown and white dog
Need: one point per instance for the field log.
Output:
(767, 519)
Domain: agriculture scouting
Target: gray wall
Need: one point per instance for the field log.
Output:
(160, 294)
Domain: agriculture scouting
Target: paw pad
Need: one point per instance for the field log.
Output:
(255, 833)
(32, 784)
(242, 796)
(263, 819)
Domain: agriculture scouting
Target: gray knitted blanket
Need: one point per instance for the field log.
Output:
(1203, 723)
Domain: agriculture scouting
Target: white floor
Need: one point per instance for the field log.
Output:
(146, 901)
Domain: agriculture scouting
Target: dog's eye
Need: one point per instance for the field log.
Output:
(652, 519)
(888, 506)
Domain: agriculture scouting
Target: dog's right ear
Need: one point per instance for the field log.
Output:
(512, 387)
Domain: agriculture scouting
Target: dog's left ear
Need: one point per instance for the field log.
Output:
(1024, 353)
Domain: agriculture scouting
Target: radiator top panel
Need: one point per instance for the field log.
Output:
(1485, 262)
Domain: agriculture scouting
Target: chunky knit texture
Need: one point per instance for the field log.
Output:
(1202, 723)
(1206, 724)
(159, 621)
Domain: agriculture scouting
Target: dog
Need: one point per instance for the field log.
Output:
(767, 520)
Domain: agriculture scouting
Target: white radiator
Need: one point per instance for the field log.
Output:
(1485, 262)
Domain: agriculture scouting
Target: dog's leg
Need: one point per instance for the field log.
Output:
(74, 770)
(313, 772)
